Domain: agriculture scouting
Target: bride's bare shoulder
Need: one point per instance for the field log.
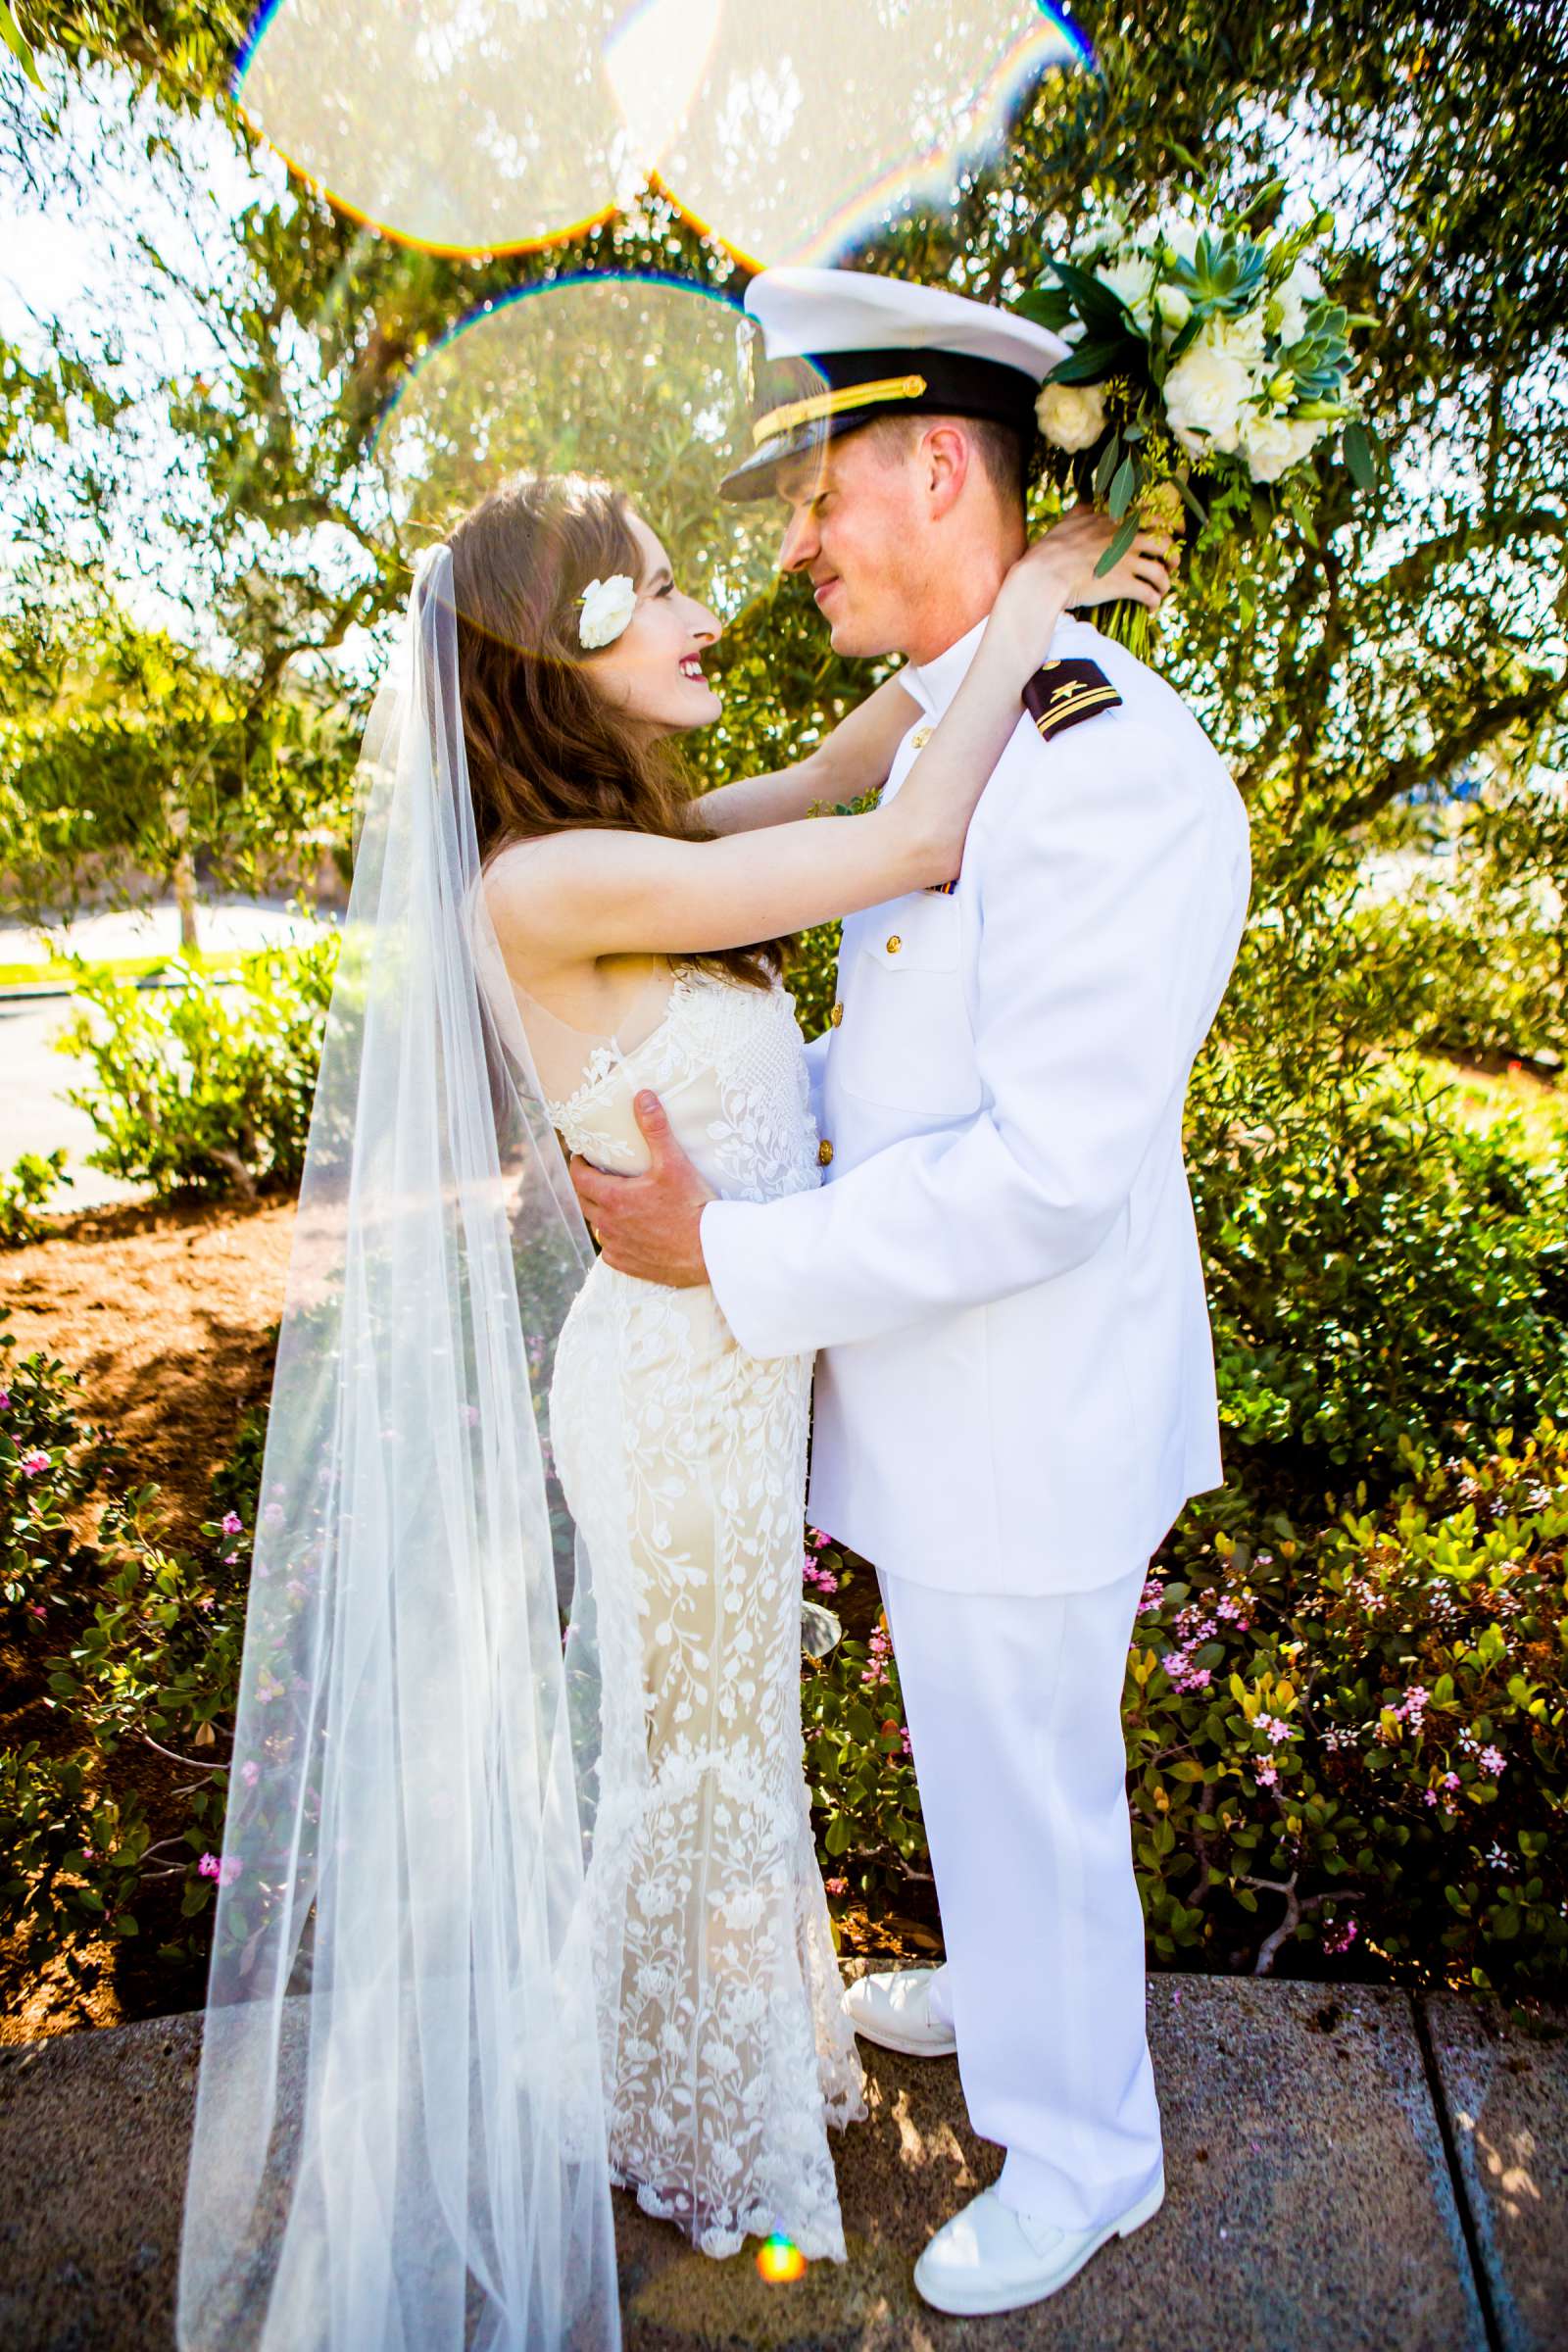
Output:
(528, 879)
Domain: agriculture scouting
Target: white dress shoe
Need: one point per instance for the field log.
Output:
(989, 2258)
(890, 2008)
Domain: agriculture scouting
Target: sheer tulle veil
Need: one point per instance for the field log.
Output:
(399, 2138)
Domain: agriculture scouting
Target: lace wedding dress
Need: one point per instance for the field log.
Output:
(726, 2050)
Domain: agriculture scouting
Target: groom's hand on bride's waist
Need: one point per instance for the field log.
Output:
(648, 1225)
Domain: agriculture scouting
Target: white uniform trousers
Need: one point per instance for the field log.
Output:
(1013, 1703)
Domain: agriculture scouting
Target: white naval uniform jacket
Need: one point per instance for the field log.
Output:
(1015, 1385)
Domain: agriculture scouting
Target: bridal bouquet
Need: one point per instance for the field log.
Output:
(1210, 363)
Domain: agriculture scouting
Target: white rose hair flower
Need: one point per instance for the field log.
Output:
(607, 607)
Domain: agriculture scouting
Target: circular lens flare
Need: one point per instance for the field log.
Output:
(637, 380)
(494, 125)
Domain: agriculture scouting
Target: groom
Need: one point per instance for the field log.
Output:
(1015, 1389)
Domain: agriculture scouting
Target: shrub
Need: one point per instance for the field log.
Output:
(1366, 1726)
(51, 1463)
(201, 1086)
(864, 1799)
(136, 1645)
(1353, 1741)
(1376, 1272)
(32, 1180)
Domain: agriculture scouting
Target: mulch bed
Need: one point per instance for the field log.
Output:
(169, 1314)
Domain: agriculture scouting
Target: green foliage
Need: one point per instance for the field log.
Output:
(1348, 1739)
(51, 1464)
(139, 1646)
(202, 1086)
(864, 1800)
(1376, 1272)
(32, 1180)
(1360, 1732)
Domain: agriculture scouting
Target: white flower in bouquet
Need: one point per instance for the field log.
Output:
(1272, 444)
(1242, 338)
(607, 607)
(1131, 278)
(1071, 416)
(1205, 393)
(1173, 306)
(1295, 296)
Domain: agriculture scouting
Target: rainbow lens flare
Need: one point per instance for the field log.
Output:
(779, 2260)
(632, 376)
(487, 125)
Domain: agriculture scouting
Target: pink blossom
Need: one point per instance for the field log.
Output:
(837, 1885)
(1267, 1777)
(250, 1772)
(1450, 1780)
(1341, 1940)
(817, 1538)
(1492, 1760)
(231, 1523)
(1429, 1796)
(5, 1400)
(32, 1463)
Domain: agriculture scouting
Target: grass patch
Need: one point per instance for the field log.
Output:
(117, 967)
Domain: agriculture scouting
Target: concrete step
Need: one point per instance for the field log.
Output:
(1344, 2169)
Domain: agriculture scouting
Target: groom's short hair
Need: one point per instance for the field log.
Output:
(1004, 451)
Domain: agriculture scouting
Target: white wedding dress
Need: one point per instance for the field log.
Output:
(726, 2050)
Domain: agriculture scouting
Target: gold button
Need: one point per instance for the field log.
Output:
(920, 738)
(835, 1016)
(824, 1153)
(895, 944)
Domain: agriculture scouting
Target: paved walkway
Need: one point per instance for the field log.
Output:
(1347, 2171)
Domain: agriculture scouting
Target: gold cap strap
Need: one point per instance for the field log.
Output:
(834, 403)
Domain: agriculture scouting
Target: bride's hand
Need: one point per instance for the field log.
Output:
(1058, 569)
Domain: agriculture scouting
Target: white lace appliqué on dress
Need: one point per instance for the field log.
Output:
(726, 2049)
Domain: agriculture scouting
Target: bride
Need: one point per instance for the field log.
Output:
(497, 1926)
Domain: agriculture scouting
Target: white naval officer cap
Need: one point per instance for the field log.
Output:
(825, 350)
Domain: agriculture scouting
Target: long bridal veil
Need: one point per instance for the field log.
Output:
(399, 2139)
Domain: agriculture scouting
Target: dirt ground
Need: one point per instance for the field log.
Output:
(169, 1314)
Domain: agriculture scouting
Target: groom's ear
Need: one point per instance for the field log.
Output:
(946, 457)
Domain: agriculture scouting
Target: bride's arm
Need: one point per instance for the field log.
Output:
(853, 759)
(599, 891)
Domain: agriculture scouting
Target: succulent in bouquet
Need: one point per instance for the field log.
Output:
(1209, 371)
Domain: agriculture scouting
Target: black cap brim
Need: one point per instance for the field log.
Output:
(753, 476)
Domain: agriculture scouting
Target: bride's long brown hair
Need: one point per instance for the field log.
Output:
(546, 750)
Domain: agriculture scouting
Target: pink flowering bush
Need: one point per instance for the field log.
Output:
(1347, 1748)
(1358, 1738)
(51, 1464)
(864, 1801)
(141, 1652)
